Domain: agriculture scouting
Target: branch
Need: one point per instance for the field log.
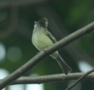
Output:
(36, 59)
(51, 78)
(79, 79)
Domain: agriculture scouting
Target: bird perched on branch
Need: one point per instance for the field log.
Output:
(42, 38)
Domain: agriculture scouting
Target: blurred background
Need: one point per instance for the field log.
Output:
(65, 16)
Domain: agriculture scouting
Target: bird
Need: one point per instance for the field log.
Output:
(42, 38)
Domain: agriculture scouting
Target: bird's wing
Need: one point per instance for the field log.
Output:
(50, 36)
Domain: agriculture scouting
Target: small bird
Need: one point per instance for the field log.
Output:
(42, 38)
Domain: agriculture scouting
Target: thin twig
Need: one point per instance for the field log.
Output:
(40, 56)
(78, 80)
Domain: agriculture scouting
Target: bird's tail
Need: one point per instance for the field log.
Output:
(64, 66)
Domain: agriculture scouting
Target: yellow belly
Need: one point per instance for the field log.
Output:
(41, 40)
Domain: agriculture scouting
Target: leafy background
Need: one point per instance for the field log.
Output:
(64, 16)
